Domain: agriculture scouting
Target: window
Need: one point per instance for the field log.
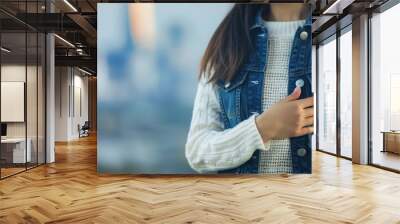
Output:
(346, 93)
(314, 84)
(385, 89)
(327, 96)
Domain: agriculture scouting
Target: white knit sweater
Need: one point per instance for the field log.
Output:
(210, 147)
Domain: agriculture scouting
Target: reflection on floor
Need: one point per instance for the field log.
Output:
(71, 191)
(9, 170)
(387, 159)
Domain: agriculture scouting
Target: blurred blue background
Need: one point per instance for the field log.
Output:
(148, 63)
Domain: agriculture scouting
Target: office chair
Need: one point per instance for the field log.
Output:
(84, 130)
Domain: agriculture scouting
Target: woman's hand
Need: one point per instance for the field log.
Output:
(289, 117)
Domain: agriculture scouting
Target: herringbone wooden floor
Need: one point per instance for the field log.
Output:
(70, 191)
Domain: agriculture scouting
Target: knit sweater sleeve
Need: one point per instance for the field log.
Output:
(209, 146)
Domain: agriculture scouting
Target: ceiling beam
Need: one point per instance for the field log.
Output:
(48, 22)
(82, 61)
(84, 24)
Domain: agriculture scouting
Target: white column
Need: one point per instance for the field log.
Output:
(360, 90)
(50, 92)
(50, 99)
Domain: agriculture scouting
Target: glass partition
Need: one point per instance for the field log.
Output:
(14, 153)
(23, 91)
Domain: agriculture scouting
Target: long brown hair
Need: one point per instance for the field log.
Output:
(230, 44)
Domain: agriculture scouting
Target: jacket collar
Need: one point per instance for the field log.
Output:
(259, 21)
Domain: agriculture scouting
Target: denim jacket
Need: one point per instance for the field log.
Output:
(242, 96)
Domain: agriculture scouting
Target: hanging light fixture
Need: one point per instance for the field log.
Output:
(5, 50)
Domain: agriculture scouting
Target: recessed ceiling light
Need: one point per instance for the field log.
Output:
(84, 71)
(337, 7)
(64, 40)
(70, 5)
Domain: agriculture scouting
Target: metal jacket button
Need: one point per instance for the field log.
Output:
(300, 83)
(301, 152)
(227, 85)
(304, 35)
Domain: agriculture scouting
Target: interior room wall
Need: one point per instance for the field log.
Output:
(69, 84)
(16, 72)
(80, 109)
(62, 80)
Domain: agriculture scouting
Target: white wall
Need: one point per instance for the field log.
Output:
(14, 72)
(13, 101)
(61, 103)
(17, 73)
(70, 83)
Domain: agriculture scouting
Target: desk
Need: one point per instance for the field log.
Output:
(391, 141)
(17, 152)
